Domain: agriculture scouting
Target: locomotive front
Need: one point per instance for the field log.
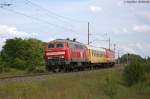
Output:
(55, 54)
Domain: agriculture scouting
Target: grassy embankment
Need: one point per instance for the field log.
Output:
(97, 84)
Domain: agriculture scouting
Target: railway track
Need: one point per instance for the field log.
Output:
(25, 75)
(42, 74)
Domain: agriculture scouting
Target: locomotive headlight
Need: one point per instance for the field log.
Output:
(49, 57)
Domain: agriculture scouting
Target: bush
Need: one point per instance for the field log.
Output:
(19, 63)
(4, 69)
(142, 88)
(1, 69)
(110, 88)
(40, 69)
(133, 73)
(146, 66)
(22, 54)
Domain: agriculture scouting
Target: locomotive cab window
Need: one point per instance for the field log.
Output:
(60, 45)
(50, 45)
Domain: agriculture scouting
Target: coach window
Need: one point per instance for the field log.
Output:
(50, 45)
(60, 45)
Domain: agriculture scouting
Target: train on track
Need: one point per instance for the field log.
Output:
(69, 55)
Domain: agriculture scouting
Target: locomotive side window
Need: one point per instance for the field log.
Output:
(60, 45)
(71, 45)
(78, 46)
(50, 45)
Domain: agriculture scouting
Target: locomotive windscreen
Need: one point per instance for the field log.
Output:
(55, 45)
(50, 45)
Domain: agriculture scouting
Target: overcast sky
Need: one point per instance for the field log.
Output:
(127, 24)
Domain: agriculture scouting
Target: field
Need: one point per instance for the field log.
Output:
(95, 84)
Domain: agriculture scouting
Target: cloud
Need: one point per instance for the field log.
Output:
(7, 32)
(119, 3)
(133, 29)
(144, 14)
(136, 48)
(122, 30)
(49, 39)
(143, 48)
(127, 48)
(94, 8)
(141, 28)
(2, 42)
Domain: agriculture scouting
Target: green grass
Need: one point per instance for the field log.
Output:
(15, 72)
(12, 72)
(79, 85)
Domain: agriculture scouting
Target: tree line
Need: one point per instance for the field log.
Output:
(22, 54)
(126, 58)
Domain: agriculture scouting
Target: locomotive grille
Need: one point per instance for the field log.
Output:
(56, 60)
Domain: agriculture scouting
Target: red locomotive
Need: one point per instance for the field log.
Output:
(61, 54)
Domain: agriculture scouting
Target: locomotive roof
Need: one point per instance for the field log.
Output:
(65, 40)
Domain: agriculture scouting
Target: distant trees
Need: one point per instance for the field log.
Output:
(23, 54)
(128, 57)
